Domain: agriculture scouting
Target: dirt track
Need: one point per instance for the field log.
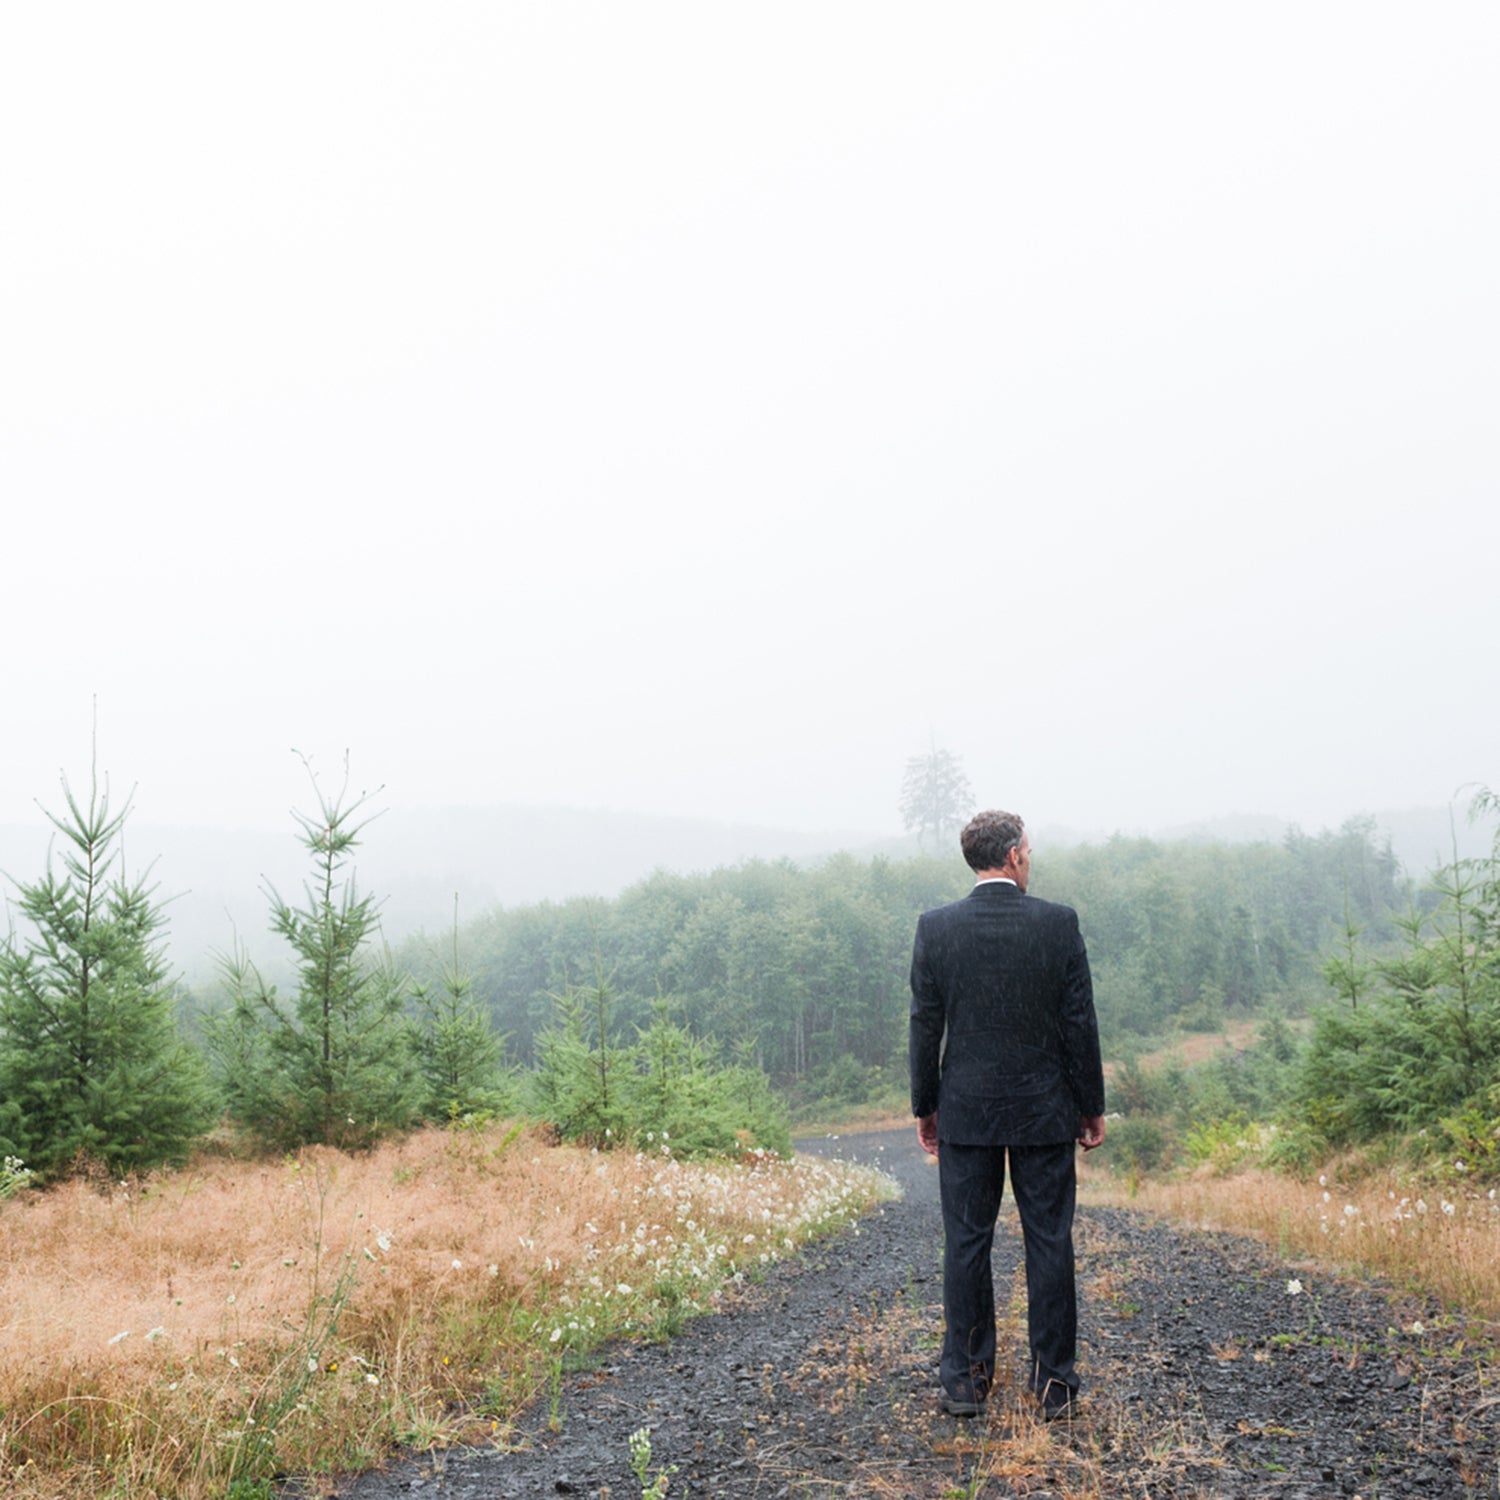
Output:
(1203, 1376)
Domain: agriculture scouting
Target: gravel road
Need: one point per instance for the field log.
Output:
(1204, 1376)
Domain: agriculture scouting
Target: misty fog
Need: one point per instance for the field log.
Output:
(694, 414)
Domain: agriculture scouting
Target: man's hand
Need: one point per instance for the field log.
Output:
(927, 1133)
(1091, 1131)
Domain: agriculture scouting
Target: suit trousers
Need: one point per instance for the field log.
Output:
(972, 1182)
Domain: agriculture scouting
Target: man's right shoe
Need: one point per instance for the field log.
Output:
(961, 1406)
(1065, 1410)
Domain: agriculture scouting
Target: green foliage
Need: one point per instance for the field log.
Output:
(578, 1087)
(249, 1489)
(640, 1466)
(668, 1087)
(803, 967)
(1197, 934)
(1348, 972)
(333, 1065)
(14, 1176)
(1297, 1147)
(1140, 1144)
(91, 1063)
(1468, 1142)
(1415, 1038)
(808, 966)
(1134, 1090)
(1221, 1143)
(1205, 1011)
(1204, 1115)
(458, 1051)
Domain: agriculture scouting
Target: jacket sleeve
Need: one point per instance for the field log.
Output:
(1080, 1027)
(928, 1020)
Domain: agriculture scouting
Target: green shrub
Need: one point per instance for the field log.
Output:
(1140, 1144)
(668, 1087)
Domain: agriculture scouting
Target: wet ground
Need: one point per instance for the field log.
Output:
(1204, 1376)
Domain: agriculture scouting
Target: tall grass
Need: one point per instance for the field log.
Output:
(1435, 1236)
(197, 1332)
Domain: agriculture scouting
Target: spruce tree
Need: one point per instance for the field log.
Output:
(458, 1049)
(332, 1065)
(92, 1067)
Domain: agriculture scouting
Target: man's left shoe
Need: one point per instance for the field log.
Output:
(960, 1406)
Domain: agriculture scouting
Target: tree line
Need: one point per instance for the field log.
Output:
(701, 1007)
(808, 966)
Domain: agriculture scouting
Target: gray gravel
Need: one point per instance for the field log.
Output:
(1203, 1377)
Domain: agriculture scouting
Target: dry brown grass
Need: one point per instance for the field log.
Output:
(1441, 1238)
(162, 1337)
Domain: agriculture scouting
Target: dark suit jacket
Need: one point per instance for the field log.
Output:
(1004, 1042)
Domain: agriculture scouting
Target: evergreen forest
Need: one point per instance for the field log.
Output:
(715, 1010)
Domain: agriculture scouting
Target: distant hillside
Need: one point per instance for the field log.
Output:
(418, 861)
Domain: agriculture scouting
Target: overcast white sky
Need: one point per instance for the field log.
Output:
(700, 409)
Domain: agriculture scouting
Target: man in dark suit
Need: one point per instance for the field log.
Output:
(1005, 1064)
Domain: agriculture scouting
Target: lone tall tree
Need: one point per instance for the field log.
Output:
(935, 795)
(91, 1063)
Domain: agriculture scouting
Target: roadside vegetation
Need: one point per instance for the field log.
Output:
(1366, 1133)
(193, 1333)
(1436, 1233)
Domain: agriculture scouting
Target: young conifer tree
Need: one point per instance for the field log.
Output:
(332, 1065)
(457, 1048)
(92, 1067)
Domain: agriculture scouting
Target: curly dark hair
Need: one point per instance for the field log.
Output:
(988, 838)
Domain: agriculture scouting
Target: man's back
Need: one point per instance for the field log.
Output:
(1005, 978)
